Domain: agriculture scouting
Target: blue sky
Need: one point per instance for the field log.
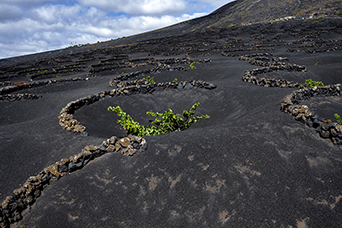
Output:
(30, 26)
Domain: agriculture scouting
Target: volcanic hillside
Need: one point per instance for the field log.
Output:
(270, 155)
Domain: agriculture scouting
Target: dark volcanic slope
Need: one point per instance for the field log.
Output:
(249, 165)
(252, 11)
(233, 14)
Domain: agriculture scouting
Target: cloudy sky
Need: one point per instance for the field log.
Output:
(29, 26)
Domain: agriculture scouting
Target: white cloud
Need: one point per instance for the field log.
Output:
(53, 26)
(55, 13)
(217, 3)
(138, 7)
(26, 4)
(10, 12)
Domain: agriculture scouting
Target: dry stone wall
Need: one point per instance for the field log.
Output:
(16, 205)
(326, 128)
(291, 103)
(10, 87)
(67, 121)
(19, 203)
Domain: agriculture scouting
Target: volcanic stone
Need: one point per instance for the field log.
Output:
(54, 170)
(124, 142)
(110, 148)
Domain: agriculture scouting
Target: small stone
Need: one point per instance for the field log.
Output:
(129, 151)
(90, 148)
(112, 140)
(110, 148)
(338, 128)
(79, 128)
(75, 166)
(54, 170)
(325, 126)
(336, 141)
(19, 191)
(53, 179)
(6, 202)
(101, 148)
(188, 86)
(287, 99)
(124, 142)
(143, 146)
(309, 122)
(117, 146)
(29, 200)
(99, 152)
(134, 138)
(333, 132)
(136, 145)
(63, 168)
(210, 86)
(324, 134)
(37, 193)
(64, 161)
(29, 189)
(76, 158)
(105, 144)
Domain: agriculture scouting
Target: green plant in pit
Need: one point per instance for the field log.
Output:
(192, 66)
(338, 118)
(316, 63)
(131, 126)
(42, 72)
(58, 76)
(165, 122)
(175, 80)
(149, 80)
(311, 83)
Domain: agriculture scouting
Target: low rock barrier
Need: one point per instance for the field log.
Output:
(19, 203)
(161, 65)
(19, 97)
(67, 121)
(5, 91)
(326, 128)
(290, 104)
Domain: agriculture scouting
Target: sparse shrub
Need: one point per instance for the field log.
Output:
(42, 72)
(338, 118)
(149, 80)
(311, 83)
(164, 123)
(192, 66)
